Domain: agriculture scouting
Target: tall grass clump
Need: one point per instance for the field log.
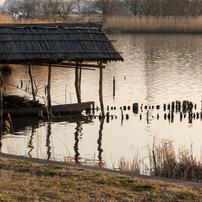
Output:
(164, 162)
(128, 166)
(151, 24)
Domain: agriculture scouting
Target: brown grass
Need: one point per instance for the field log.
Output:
(6, 18)
(23, 181)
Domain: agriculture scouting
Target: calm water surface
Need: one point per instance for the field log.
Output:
(157, 69)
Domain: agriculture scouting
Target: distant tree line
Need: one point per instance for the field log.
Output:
(42, 9)
(164, 7)
(60, 9)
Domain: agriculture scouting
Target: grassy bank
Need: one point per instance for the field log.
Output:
(23, 181)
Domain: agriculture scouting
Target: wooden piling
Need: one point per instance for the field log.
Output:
(164, 107)
(113, 87)
(48, 91)
(32, 83)
(100, 91)
(135, 108)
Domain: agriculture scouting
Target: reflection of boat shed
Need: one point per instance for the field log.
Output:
(60, 45)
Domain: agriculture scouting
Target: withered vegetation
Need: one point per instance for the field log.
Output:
(24, 181)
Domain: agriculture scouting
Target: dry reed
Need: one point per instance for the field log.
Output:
(153, 24)
(169, 164)
(126, 165)
(164, 162)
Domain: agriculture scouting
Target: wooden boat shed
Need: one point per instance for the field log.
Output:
(72, 45)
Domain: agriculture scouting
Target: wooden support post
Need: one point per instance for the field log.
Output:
(1, 110)
(32, 83)
(78, 93)
(80, 78)
(1, 97)
(100, 92)
(48, 92)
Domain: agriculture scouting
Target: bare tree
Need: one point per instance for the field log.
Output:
(28, 7)
(134, 6)
(149, 7)
(106, 7)
(14, 6)
(193, 7)
(84, 7)
(45, 9)
(63, 9)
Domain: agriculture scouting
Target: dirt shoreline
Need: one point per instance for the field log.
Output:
(97, 169)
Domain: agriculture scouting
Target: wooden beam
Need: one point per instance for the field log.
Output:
(63, 64)
(83, 65)
(73, 67)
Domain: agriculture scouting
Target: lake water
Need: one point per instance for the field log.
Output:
(157, 69)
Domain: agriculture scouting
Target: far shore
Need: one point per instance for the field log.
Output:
(157, 25)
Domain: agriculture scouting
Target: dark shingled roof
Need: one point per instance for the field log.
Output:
(20, 43)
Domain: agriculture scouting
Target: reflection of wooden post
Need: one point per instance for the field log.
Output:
(48, 91)
(48, 139)
(76, 137)
(99, 141)
(30, 143)
(32, 82)
(100, 91)
(78, 94)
